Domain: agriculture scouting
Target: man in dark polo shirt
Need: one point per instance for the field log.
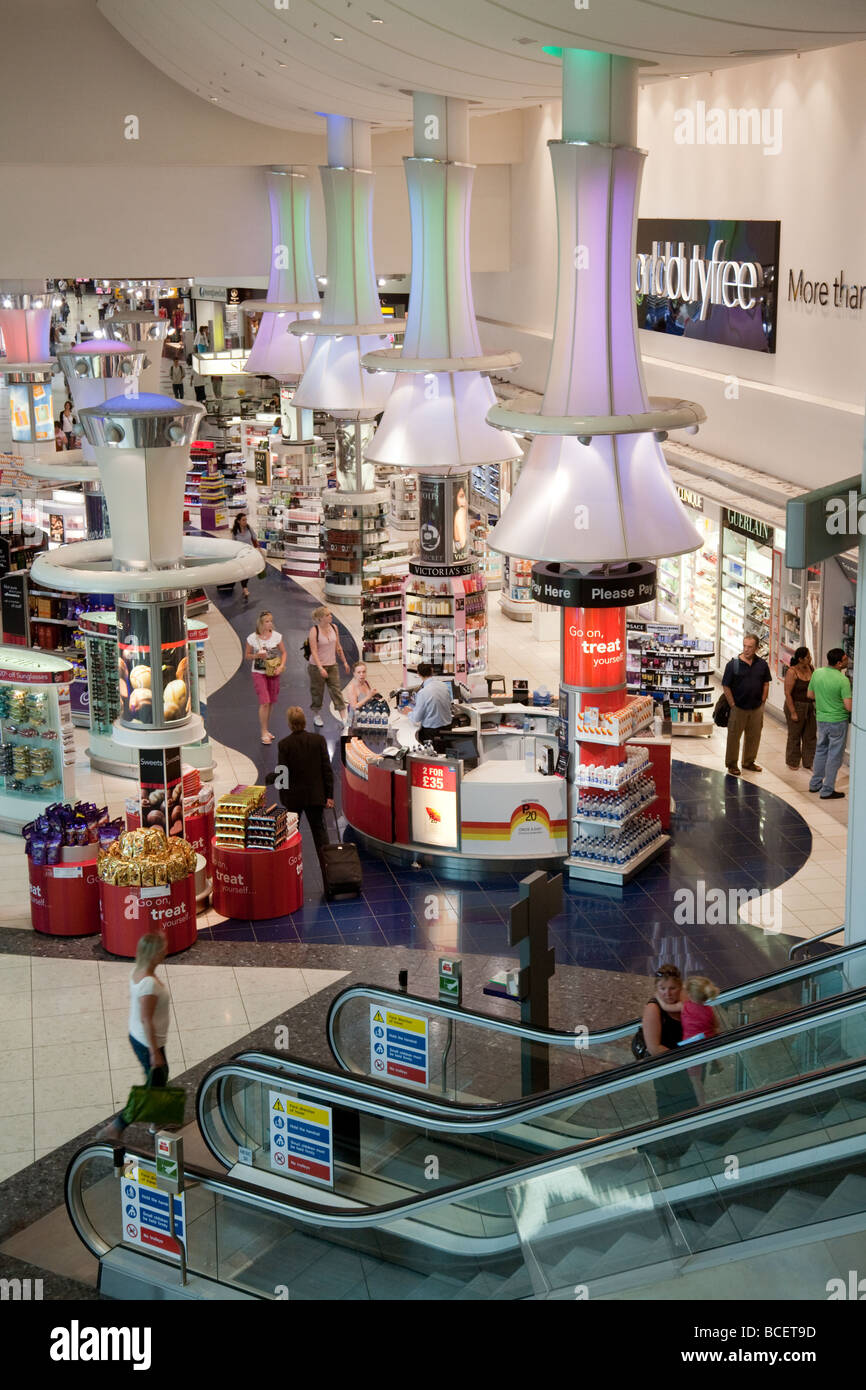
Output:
(746, 685)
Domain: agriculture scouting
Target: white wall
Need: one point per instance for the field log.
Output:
(799, 412)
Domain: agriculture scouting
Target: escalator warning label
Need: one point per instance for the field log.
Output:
(398, 1045)
(301, 1139)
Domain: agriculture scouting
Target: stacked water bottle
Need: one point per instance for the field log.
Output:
(613, 808)
(637, 836)
(615, 774)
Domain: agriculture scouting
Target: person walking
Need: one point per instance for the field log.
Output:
(243, 532)
(177, 375)
(303, 775)
(830, 689)
(67, 424)
(746, 685)
(266, 650)
(800, 711)
(325, 647)
(199, 384)
(432, 711)
(148, 1019)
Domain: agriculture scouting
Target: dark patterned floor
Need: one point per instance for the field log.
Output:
(729, 833)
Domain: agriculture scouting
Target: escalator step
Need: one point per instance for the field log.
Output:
(795, 1208)
(849, 1196)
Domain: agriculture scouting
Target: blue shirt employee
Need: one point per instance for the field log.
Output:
(432, 710)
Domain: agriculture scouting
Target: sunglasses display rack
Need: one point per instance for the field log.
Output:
(677, 671)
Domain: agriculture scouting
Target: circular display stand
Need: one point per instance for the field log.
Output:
(64, 898)
(254, 884)
(519, 610)
(127, 913)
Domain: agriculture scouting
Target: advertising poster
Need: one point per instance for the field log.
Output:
(42, 411)
(398, 1045)
(433, 803)
(144, 1211)
(302, 1140)
(14, 605)
(135, 676)
(56, 528)
(594, 648)
(19, 412)
(443, 505)
(161, 789)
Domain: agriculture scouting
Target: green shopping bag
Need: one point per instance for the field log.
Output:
(156, 1105)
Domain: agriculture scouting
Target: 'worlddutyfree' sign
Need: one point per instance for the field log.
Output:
(713, 280)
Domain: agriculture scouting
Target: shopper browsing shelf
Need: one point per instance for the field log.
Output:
(148, 1018)
(432, 712)
(359, 690)
(830, 689)
(746, 685)
(325, 647)
(267, 652)
(304, 775)
(800, 711)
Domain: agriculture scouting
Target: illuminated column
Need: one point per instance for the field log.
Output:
(594, 498)
(351, 324)
(435, 420)
(292, 292)
(138, 329)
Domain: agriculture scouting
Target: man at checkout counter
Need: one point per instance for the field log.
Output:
(432, 711)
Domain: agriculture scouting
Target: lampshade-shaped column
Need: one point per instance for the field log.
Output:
(98, 370)
(292, 292)
(334, 380)
(435, 420)
(594, 486)
(136, 328)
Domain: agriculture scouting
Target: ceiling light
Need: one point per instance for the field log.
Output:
(381, 282)
(338, 38)
(322, 279)
(214, 98)
(281, 314)
(281, 65)
(189, 280)
(316, 315)
(374, 19)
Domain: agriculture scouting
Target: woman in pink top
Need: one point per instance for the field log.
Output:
(325, 647)
(699, 1021)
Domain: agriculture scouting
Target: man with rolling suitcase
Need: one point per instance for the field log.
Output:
(305, 780)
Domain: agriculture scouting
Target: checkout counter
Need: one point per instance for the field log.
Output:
(487, 797)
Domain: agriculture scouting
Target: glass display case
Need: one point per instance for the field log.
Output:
(37, 740)
(746, 584)
(516, 600)
(445, 624)
(355, 526)
(403, 488)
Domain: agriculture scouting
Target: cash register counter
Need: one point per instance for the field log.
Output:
(501, 814)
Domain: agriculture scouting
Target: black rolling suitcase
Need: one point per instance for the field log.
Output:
(341, 868)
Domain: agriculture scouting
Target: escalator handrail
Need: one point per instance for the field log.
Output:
(810, 941)
(312, 1213)
(392, 1103)
(556, 1036)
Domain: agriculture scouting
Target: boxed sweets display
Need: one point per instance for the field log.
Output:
(232, 813)
(63, 827)
(269, 827)
(146, 859)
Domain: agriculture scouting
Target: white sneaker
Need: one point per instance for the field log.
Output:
(318, 721)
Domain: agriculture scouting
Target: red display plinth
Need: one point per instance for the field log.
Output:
(198, 832)
(257, 883)
(64, 898)
(127, 913)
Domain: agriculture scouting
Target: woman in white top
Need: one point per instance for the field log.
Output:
(267, 652)
(148, 1018)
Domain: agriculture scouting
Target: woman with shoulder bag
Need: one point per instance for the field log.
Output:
(325, 647)
(266, 650)
(243, 532)
(800, 711)
(663, 1032)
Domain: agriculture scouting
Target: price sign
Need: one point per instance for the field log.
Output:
(434, 802)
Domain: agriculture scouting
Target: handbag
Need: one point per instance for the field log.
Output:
(272, 665)
(639, 1049)
(306, 649)
(722, 712)
(160, 1105)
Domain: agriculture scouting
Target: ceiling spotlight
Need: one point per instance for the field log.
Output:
(189, 280)
(381, 282)
(660, 436)
(338, 38)
(281, 65)
(214, 98)
(7, 303)
(374, 19)
(584, 439)
(99, 332)
(316, 315)
(322, 279)
(105, 284)
(281, 314)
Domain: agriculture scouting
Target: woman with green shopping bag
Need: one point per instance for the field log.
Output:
(148, 1026)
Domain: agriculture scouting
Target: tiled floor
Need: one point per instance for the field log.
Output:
(66, 1059)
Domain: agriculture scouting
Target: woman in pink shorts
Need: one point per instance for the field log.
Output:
(266, 650)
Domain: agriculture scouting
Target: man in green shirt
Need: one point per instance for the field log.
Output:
(830, 688)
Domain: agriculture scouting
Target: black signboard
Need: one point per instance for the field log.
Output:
(261, 464)
(621, 586)
(746, 525)
(5, 554)
(714, 280)
(13, 602)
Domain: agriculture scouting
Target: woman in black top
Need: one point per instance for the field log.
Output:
(663, 1033)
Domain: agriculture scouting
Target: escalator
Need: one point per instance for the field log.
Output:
(440, 1198)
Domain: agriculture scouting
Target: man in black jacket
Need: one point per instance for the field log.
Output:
(303, 775)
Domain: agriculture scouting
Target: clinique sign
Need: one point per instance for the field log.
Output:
(678, 274)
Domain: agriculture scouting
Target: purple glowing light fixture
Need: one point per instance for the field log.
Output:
(595, 487)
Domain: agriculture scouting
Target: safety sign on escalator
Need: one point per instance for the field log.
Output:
(144, 1211)
(302, 1141)
(398, 1045)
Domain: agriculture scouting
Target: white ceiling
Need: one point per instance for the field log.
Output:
(284, 62)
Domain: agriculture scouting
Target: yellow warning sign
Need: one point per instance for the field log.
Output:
(278, 1105)
(146, 1178)
(377, 1017)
